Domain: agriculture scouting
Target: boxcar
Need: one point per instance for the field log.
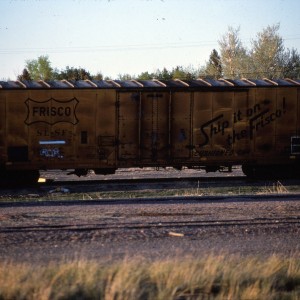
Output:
(106, 125)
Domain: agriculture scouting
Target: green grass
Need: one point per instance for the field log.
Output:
(210, 277)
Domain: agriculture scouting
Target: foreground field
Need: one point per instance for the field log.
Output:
(185, 247)
(211, 277)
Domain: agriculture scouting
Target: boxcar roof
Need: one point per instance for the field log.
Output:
(129, 84)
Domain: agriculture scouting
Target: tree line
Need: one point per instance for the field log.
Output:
(266, 58)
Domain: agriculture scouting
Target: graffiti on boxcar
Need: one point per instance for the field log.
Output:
(257, 118)
(51, 153)
(182, 135)
(51, 111)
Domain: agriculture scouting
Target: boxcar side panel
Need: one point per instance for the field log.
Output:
(262, 131)
(239, 137)
(286, 121)
(85, 141)
(298, 114)
(222, 126)
(181, 125)
(212, 124)
(51, 117)
(202, 122)
(128, 126)
(2, 127)
(106, 128)
(298, 111)
(16, 130)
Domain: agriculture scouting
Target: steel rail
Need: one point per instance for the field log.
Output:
(155, 225)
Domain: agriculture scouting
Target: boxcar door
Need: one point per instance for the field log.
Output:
(155, 127)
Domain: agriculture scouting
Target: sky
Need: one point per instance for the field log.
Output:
(132, 36)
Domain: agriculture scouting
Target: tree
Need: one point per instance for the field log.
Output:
(98, 76)
(291, 67)
(40, 68)
(25, 76)
(234, 56)
(268, 53)
(72, 74)
(183, 73)
(125, 77)
(163, 74)
(146, 76)
(213, 68)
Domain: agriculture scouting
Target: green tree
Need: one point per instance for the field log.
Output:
(98, 76)
(292, 64)
(71, 73)
(268, 53)
(180, 72)
(163, 74)
(234, 56)
(25, 76)
(146, 76)
(213, 68)
(40, 68)
(125, 77)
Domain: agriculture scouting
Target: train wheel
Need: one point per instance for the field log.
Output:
(248, 170)
(19, 177)
(268, 172)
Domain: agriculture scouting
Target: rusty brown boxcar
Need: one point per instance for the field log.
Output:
(106, 125)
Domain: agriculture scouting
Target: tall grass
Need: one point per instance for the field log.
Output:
(210, 277)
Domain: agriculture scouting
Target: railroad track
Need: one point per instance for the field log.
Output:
(155, 200)
(157, 183)
(138, 179)
(155, 225)
(101, 228)
(140, 184)
(79, 185)
(152, 180)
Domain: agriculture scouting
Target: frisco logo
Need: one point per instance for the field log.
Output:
(51, 111)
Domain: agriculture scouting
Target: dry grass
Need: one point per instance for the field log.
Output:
(211, 277)
(276, 188)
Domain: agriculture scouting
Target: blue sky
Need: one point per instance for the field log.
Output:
(131, 36)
